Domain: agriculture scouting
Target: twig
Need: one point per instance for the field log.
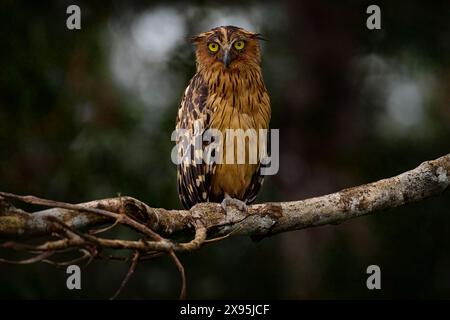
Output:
(182, 274)
(60, 264)
(38, 258)
(134, 263)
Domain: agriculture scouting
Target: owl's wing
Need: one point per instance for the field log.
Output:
(193, 178)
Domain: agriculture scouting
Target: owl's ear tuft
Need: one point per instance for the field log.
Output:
(258, 36)
(197, 38)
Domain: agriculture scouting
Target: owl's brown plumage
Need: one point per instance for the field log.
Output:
(227, 92)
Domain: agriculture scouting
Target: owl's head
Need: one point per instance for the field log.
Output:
(228, 47)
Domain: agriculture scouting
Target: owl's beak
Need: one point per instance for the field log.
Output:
(226, 58)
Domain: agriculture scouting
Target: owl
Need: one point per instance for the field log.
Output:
(226, 92)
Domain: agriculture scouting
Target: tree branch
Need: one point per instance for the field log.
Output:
(206, 221)
(429, 179)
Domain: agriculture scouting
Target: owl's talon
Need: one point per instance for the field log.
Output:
(228, 201)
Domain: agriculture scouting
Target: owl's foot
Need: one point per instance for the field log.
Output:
(228, 201)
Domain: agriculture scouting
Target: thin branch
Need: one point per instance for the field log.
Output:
(134, 263)
(182, 274)
(37, 258)
(152, 256)
(61, 264)
(107, 228)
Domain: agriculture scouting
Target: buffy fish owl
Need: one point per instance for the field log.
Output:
(226, 92)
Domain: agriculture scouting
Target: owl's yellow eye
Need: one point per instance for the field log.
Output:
(213, 47)
(239, 45)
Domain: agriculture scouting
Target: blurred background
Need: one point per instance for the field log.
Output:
(88, 114)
